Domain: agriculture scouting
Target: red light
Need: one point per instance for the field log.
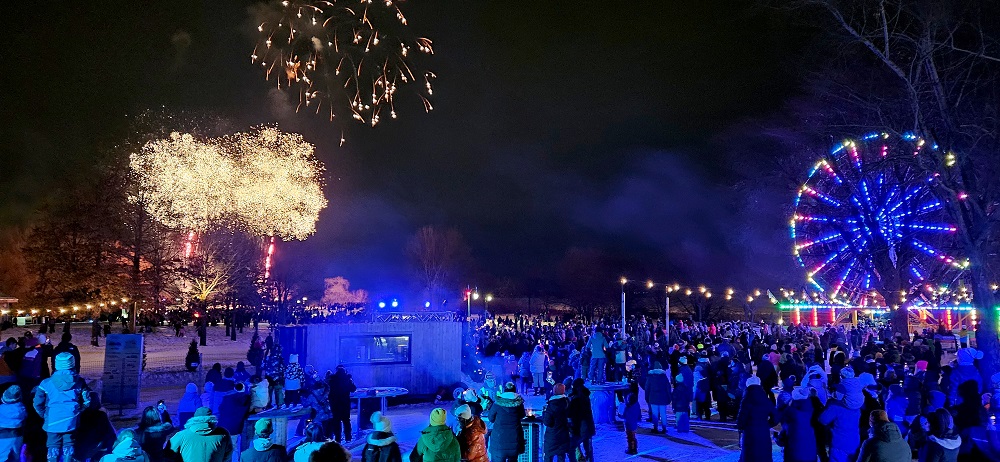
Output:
(197, 315)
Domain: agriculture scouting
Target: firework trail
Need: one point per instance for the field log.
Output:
(347, 58)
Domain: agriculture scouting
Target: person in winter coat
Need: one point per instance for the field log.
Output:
(437, 443)
(581, 418)
(241, 374)
(702, 398)
(507, 439)
(314, 439)
(294, 378)
(152, 434)
(258, 394)
(632, 415)
(341, 387)
(768, 376)
(471, 435)
(885, 444)
(95, 434)
(597, 345)
(60, 400)
(524, 369)
(261, 448)
(754, 420)
(896, 405)
(234, 407)
(681, 404)
(126, 449)
(658, 395)
(12, 415)
(942, 444)
(381, 445)
(539, 362)
(189, 403)
(555, 417)
(797, 436)
(815, 378)
(209, 398)
(965, 371)
(201, 440)
(844, 426)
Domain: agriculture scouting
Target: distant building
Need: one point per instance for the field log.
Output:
(6, 302)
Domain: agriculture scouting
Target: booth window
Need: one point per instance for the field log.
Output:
(375, 349)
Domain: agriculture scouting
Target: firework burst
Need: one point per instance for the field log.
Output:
(347, 58)
(265, 182)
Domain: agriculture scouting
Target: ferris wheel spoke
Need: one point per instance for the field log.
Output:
(819, 195)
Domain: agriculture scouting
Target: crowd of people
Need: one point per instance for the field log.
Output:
(836, 393)
(831, 393)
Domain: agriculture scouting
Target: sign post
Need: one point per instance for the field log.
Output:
(122, 371)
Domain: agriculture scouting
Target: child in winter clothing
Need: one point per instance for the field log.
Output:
(381, 445)
(127, 449)
(471, 435)
(12, 415)
(632, 415)
(437, 443)
(262, 449)
(59, 400)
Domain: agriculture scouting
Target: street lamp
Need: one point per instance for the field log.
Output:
(623, 281)
(488, 299)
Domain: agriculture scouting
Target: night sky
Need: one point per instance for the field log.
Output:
(557, 124)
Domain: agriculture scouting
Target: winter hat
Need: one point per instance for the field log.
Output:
(12, 394)
(202, 411)
(559, 389)
(509, 387)
(42, 339)
(967, 355)
(800, 393)
(381, 423)
(457, 393)
(263, 427)
(469, 396)
(679, 378)
(191, 388)
(921, 365)
(293, 358)
(438, 417)
(65, 362)
(683, 360)
(847, 373)
(753, 380)
(463, 412)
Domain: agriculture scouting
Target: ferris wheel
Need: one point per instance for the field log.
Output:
(866, 214)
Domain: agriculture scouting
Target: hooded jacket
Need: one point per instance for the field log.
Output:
(263, 450)
(885, 445)
(380, 447)
(258, 395)
(438, 444)
(942, 449)
(12, 417)
(189, 403)
(844, 426)
(799, 438)
(507, 439)
(472, 440)
(202, 440)
(556, 421)
(127, 450)
(657, 387)
(60, 399)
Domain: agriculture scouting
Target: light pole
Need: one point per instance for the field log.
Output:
(470, 295)
(488, 299)
(623, 281)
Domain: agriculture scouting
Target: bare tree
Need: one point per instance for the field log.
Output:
(436, 256)
(941, 59)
